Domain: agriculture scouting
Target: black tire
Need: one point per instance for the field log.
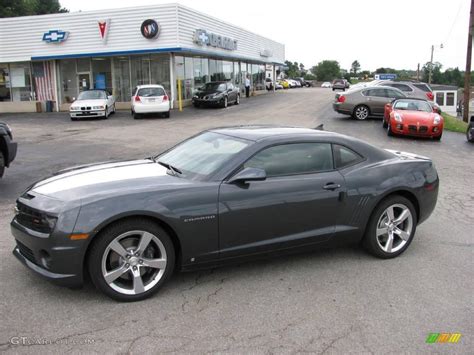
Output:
(196, 105)
(361, 112)
(438, 138)
(74, 119)
(166, 114)
(136, 116)
(102, 241)
(389, 130)
(237, 100)
(106, 115)
(369, 241)
(2, 164)
(333, 89)
(469, 135)
(225, 102)
(384, 123)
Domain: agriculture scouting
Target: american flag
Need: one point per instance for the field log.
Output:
(43, 74)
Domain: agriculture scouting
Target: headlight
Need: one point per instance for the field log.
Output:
(195, 97)
(98, 107)
(75, 108)
(437, 119)
(398, 117)
(50, 221)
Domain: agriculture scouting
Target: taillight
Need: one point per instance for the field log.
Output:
(137, 99)
(341, 99)
(430, 96)
(165, 98)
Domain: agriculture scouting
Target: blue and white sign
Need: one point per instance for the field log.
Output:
(205, 38)
(55, 36)
(385, 76)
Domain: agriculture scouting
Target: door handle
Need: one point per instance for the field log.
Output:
(331, 186)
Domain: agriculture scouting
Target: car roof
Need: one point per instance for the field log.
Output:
(150, 86)
(260, 132)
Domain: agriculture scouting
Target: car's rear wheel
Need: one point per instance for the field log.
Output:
(391, 228)
(131, 260)
(225, 102)
(166, 114)
(361, 112)
(2, 164)
(237, 100)
(389, 130)
(136, 116)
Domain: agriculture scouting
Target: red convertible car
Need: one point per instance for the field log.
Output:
(413, 117)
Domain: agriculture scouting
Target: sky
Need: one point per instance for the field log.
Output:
(378, 33)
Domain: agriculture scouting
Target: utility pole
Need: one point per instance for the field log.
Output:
(431, 65)
(418, 72)
(467, 74)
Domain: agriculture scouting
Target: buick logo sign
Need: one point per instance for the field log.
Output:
(150, 29)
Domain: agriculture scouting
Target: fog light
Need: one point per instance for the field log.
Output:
(435, 129)
(45, 259)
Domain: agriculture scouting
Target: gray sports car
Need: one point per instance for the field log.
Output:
(224, 195)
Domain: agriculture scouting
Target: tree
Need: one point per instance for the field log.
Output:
(327, 70)
(293, 69)
(14, 8)
(355, 67)
(437, 76)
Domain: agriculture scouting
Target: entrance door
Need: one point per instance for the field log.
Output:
(84, 81)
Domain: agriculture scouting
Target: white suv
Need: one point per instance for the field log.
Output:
(149, 99)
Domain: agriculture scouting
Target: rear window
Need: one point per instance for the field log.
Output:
(423, 87)
(149, 92)
(338, 81)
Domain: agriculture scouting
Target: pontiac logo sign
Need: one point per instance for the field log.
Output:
(149, 29)
(103, 29)
(204, 38)
(55, 36)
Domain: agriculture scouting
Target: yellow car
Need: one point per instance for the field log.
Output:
(284, 83)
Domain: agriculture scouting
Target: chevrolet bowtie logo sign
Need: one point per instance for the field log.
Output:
(55, 36)
(204, 38)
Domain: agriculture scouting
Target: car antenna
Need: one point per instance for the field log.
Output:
(320, 127)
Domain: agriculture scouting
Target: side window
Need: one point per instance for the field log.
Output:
(344, 156)
(394, 94)
(291, 159)
(402, 87)
(378, 93)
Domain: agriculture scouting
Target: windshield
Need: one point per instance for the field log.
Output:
(213, 87)
(204, 154)
(92, 95)
(413, 105)
(149, 92)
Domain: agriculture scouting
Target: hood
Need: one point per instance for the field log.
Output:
(202, 93)
(97, 102)
(417, 116)
(106, 178)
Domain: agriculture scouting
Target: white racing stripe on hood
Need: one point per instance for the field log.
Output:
(99, 176)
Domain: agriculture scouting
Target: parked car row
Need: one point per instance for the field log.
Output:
(407, 108)
(294, 83)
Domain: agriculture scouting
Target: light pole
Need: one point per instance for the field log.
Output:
(431, 62)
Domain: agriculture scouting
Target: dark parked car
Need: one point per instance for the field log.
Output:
(216, 93)
(224, 195)
(7, 147)
(470, 130)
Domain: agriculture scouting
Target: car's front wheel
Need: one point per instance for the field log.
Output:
(131, 260)
(469, 135)
(391, 228)
(361, 112)
(225, 102)
(2, 164)
(237, 100)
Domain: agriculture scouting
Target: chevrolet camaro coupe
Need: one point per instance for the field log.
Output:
(224, 195)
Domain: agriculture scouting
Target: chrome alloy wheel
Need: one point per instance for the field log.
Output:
(134, 262)
(394, 228)
(362, 112)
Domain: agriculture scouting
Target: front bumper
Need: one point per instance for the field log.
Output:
(53, 258)
(88, 114)
(208, 102)
(417, 131)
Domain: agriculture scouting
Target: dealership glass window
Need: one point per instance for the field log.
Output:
(201, 71)
(140, 70)
(121, 78)
(83, 65)
(188, 78)
(258, 77)
(216, 70)
(450, 99)
(20, 82)
(160, 70)
(102, 74)
(227, 71)
(440, 98)
(4, 83)
(67, 74)
(237, 78)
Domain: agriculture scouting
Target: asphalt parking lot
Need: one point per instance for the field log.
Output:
(333, 301)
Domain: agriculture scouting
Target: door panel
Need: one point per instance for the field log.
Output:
(279, 212)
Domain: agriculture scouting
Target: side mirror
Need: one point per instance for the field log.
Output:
(110, 97)
(249, 174)
(73, 99)
(436, 109)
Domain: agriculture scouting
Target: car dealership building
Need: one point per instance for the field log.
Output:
(52, 58)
